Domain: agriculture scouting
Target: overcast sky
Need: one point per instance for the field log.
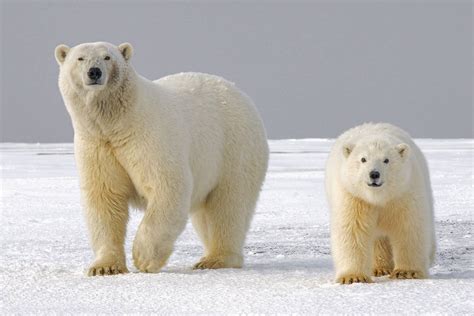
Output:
(314, 69)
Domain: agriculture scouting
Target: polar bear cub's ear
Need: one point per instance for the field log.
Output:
(403, 150)
(347, 149)
(126, 50)
(60, 53)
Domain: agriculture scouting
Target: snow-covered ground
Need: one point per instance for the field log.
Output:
(44, 247)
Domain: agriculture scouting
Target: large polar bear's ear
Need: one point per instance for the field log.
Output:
(403, 150)
(60, 53)
(126, 50)
(347, 149)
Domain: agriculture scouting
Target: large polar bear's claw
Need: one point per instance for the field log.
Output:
(354, 278)
(407, 274)
(107, 269)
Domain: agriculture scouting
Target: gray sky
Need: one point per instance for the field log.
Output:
(313, 69)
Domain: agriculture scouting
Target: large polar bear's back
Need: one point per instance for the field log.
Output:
(213, 90)
(206, 99)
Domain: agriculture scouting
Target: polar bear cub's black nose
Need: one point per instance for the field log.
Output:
(94, 73)
(374, 175)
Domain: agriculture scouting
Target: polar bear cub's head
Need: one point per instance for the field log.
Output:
(92, 67)
(375, 170)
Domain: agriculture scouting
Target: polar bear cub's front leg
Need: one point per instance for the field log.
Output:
(410, 241)
(383, 257)
(352, 237)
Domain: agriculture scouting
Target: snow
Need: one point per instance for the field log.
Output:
(44, 246)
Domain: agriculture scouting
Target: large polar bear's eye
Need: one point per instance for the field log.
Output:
(386, 160)
(107, 57)
(80, 59)
(363, 159)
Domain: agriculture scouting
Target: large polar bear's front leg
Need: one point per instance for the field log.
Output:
(168, 199)
(352, 239)
(105, 189)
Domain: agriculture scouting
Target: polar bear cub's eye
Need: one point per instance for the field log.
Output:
(80, 59)
(107, 57)
(386, 160)
(363, 159)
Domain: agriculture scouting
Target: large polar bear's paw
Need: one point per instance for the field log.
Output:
(407, 274)
(354, 278)
(107, 267)
(148, 256)
(148, 265)
(219, 262)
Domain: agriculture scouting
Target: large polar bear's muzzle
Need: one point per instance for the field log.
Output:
(94, 74)
(95, 77)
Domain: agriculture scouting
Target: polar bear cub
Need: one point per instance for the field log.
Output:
(187, 144)
(379, 193)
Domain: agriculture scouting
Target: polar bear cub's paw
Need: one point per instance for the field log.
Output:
(219, 262)
(353, 278)
(407, 274)
(108, 266)
(381, 271)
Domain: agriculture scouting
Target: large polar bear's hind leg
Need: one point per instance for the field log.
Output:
(224, 219)
(224, 223)
(383, 258)
(200, 224)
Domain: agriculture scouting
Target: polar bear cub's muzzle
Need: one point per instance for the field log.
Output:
(375, 179)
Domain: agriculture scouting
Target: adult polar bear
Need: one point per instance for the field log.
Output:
(379, 192)
(188, 143)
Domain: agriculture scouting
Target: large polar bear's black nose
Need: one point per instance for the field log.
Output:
(94, 73)
(374, 175)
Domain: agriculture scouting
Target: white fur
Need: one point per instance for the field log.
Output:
(385, 229)
(186, 144)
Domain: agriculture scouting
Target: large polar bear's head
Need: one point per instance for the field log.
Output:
(376, 170)
(92, 67)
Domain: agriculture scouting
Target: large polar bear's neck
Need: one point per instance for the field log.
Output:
(111, 104)
(104, 113)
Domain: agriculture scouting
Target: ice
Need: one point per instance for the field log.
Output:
(44, 246)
